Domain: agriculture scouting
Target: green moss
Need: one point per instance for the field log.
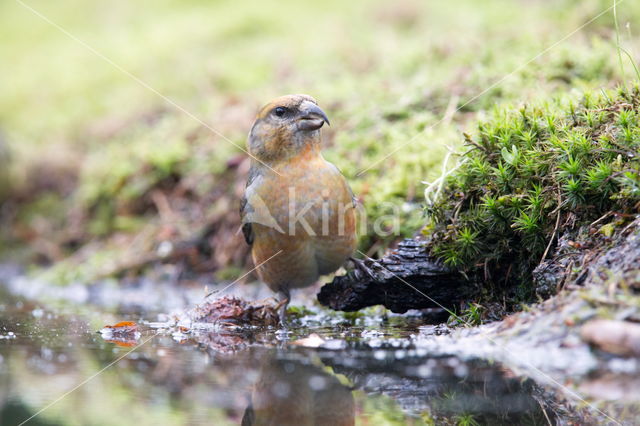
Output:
(295, 311)
(530, 174)
(390, 78)
(380, 410)
(470, 316)
(466, 420)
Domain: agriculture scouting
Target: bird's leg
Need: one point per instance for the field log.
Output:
(360, 266)
(282, 305)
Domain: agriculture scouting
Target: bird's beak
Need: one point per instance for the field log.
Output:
(312, 117)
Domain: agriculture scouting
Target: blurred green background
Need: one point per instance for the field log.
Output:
(101, 176)
(99, 171)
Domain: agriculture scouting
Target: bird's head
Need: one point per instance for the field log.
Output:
(285, 127)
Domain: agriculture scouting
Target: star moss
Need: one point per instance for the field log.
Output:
(532, 174)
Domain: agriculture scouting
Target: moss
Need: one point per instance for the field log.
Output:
(380, 409)
(298, 311)
(470, 316)
(528, 175)
(115, 181)
(390, 78)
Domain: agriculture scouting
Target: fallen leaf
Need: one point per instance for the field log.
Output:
(123, 343)
(124, 333)
(232, 310)
(124, 327)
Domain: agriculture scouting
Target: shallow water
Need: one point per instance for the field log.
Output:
(56, 369)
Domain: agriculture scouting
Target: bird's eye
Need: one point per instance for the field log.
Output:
(280, 111)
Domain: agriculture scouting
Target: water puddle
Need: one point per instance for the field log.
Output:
(56, 369)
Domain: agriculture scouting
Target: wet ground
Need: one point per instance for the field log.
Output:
(55, 368)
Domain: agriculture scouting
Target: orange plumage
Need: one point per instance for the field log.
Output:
(298, 210)
(284, 395)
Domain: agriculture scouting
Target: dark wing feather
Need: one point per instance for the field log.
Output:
(247, 230)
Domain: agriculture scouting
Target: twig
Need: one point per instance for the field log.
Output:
(470, 141)
(439, 182)
(546, 416)
(603, 217)
(553, 236)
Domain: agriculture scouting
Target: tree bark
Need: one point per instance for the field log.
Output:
(407, 278)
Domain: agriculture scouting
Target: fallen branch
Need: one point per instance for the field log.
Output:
(405, 279)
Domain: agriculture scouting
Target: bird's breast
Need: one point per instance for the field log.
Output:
(309, 198)
(310, 225)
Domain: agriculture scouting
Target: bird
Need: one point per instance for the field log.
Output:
(290, 392)
(298, 212)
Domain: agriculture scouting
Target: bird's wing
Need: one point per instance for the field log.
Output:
(246, 208)
(247, 231)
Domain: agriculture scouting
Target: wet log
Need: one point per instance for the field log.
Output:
(407, 278)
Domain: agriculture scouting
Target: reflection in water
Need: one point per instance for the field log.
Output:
(291, 393)
(193, 382)
(446, 388)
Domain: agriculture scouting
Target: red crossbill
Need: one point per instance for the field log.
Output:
(292, 393)
(298, 212)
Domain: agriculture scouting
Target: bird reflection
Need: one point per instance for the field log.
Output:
(291, 393)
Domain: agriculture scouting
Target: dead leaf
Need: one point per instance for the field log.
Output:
(123, 343)
(124, 327)
(232, 310)
(124, 333)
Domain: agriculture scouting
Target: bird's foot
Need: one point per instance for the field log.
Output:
(281, 307)
(364, 269)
